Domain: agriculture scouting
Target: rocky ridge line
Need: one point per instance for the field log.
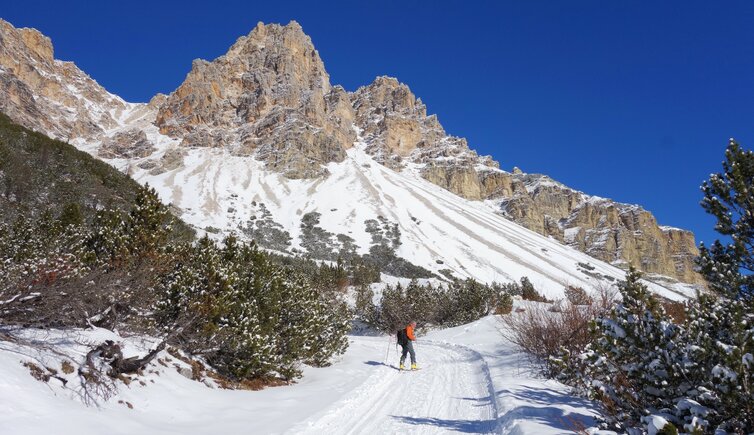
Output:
(270, 97)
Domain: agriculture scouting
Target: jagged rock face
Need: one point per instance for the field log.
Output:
(48, 95)
(466, 181)
(396, 128)
(390, 118)
(269, 96)
(617, 233)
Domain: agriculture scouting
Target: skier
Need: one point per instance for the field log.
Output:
(405, 339)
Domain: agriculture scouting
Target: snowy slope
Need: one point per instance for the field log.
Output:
(471, 382)
(215, 189)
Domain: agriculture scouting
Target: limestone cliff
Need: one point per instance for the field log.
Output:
(617, 233)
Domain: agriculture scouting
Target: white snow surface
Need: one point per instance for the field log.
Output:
(471, 381)
(439, 230)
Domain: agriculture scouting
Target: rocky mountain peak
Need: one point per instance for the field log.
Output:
(269, 96)
(49, 95)
(396, 128)
(285, 50)
(388, 95)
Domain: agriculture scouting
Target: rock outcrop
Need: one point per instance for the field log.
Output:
(398, 132)
(128, 144)
(396, 128)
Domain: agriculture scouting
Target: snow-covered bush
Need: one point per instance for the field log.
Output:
(37, 253)
(632, 359)
(66, 271)
(525, 289)
(696, 375)
(529, 293)
(400, 305)
(469, 300)
(246, 315)
(365, 308)
(504, 303)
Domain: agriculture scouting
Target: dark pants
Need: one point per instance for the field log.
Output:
(408, 348)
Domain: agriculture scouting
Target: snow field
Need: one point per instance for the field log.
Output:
(471, 381)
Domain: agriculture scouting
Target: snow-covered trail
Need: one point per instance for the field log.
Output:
(449, 394)
(471, 381)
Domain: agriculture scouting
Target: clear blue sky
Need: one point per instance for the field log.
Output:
(630, 100)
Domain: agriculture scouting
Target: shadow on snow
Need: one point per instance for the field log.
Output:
(541, 407)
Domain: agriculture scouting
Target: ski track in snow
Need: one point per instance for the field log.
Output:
(450, 393)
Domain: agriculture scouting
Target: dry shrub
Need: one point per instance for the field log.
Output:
(100, 297)
(199, 371)
(577, 296)
(197, 368)
(342, 284)
(37, 372)
(66, 367)
(254, 384)
(542, 333)
(676, 311)
(605, 295)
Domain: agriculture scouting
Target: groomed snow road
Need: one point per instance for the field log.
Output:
(471, 381)
(451, 393)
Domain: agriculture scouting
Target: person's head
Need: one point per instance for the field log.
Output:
(413, 323)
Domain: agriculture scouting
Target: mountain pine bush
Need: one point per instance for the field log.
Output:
(696, 374)
(246, 315)
(447, 305)
(365, 308)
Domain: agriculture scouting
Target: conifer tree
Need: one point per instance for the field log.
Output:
(631, 366)
(365, 307)
(729, 197)
(107, 244)
(148, 223)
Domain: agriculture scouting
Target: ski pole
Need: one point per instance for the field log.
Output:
(389, 340)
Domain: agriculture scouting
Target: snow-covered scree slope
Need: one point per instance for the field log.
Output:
(214, 189)
(471, 381)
